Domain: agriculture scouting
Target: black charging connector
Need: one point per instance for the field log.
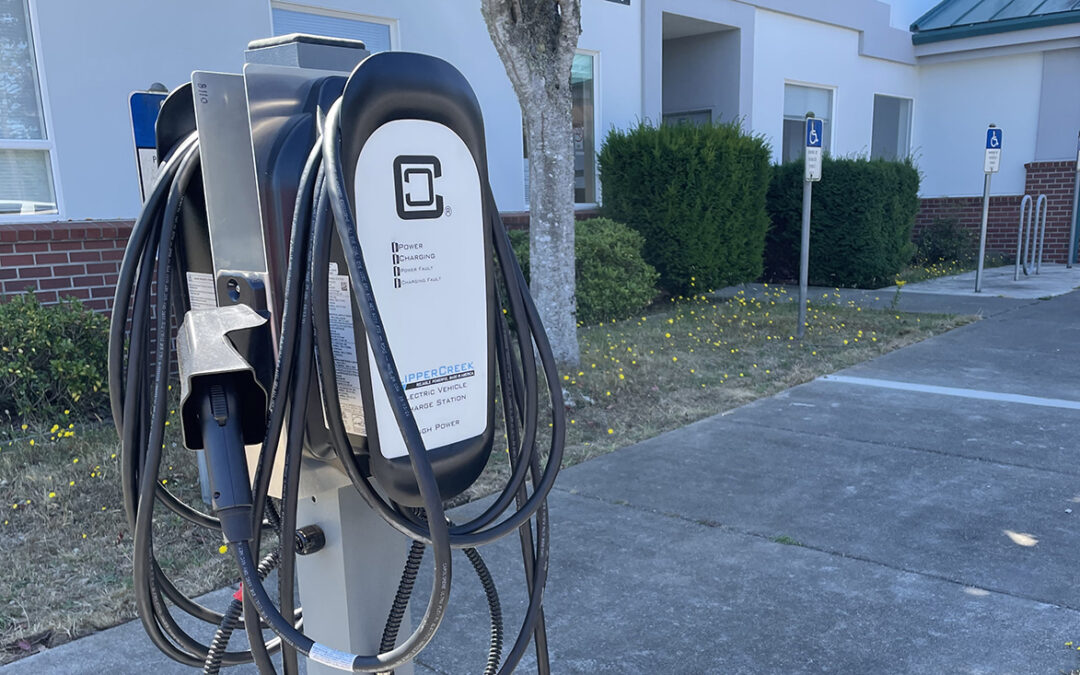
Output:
(222, 436)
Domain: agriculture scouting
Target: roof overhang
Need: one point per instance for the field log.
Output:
(994, 27)
(1031, 39)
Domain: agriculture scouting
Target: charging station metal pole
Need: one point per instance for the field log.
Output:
(346, 587)
(1075, 213)
(991, 164)
(811, 174)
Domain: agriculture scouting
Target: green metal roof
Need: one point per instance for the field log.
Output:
(955, 19)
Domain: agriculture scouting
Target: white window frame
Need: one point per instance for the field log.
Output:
(597, 116)
(48, 143)
(395, 38)
(597, 141)
(911, 121)
(834, 91)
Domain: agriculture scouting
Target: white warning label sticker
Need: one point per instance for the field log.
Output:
(344, 343)
(201, 293)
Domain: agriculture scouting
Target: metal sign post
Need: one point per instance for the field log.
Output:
(811, 174)
(1076, 203)
(991, 164)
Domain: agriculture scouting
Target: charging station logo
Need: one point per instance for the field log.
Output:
(414, 185)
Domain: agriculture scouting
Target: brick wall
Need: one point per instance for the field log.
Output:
(82, 260)
(78, 259)
(1001, 222)
(1054, 179)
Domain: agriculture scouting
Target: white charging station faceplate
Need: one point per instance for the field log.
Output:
(420, 220)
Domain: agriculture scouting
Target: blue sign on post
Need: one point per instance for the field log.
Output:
(814, 133)
(813, 154)
(993, 138)
(145, 106)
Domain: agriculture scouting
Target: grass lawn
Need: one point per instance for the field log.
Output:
(924, 271)
(64, 541)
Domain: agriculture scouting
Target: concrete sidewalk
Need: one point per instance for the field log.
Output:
(913, 514)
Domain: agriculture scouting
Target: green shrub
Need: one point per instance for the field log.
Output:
(52, 358)
(612, 280)
(861, 220)
(945, 239)
(697, 194)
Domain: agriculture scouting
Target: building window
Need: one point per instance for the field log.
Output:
(26, 175)
(694, 117)
(583, 92)
(892, 128)
(374, 34)
(799, 100)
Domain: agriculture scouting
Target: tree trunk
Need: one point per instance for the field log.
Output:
(536, 40)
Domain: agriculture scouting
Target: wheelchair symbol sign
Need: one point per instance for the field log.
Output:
(813, 133)
(993, 138)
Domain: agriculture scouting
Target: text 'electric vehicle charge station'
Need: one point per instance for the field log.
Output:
(323, 233)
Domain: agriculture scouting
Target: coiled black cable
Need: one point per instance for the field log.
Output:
(138, 385)
(138, 382)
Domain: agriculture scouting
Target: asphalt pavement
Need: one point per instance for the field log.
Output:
(916, 513)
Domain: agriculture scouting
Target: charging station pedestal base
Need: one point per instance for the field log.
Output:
(348, 586)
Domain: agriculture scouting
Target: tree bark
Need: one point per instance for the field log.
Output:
(536, 40)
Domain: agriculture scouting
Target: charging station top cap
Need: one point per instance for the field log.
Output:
(307, 51)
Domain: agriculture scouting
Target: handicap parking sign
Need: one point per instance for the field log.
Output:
(992, 158)
(814, 133)
(814, 150)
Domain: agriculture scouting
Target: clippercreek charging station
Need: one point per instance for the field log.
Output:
(323, 233)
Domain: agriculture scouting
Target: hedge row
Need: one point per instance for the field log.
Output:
(52, 358)
(862, 211)
(611, 278)
(697, 195)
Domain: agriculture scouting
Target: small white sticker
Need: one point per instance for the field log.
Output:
(328, 656)
(813, 164)
(343, 341)
(201, 293)
(148, 169)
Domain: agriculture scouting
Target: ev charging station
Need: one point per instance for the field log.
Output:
(323, 233)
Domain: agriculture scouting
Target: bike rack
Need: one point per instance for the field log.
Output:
(1029, 249)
